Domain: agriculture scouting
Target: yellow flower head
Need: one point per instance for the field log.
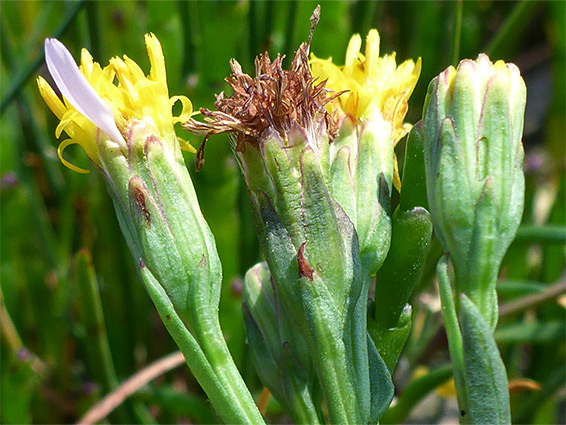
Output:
(375, 85)
(95, 108)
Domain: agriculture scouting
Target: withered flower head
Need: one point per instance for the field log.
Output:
(276, 100)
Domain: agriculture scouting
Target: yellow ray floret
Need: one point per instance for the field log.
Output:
(135, 96)
(377, 89)
(375, 84)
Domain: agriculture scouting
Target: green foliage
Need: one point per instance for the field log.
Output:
(52, 219)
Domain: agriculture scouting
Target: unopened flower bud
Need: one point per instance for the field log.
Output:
(473, 124)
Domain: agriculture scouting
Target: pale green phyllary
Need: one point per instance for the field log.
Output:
(362, 172)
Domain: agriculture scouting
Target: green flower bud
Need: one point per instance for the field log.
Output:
(473, 123)
(159, 211)
(359, 174)
(362, 166)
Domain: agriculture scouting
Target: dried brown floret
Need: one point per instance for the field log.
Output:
(275, 98)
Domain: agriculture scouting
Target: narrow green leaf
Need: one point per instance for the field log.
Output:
(413, 183)
(486, 379)
(397, 277)
(381, 385)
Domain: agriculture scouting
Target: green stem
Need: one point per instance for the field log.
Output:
(455, 344)
(212, 364)
(237, 395)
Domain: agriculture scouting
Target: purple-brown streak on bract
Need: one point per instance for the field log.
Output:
(140, 200)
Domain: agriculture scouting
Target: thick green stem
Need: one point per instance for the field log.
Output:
(335, 374)
(209, 360)
(237, 395)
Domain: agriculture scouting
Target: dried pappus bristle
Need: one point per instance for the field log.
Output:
(275, 98)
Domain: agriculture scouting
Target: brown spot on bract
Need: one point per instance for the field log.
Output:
(305, 268)
(140, 201)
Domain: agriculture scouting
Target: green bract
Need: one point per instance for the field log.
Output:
(473, 123)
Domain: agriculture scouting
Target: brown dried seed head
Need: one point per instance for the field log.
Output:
(275, 98)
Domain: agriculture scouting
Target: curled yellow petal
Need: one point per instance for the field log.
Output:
(62, 146)
(187, 110)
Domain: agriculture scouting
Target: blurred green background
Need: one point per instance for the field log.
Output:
(75, 320)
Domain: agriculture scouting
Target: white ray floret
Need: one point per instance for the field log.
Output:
(77, 90)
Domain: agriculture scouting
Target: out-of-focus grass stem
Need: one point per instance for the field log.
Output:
(267, 23)
(14, 341)
(291, 21)
(513, 25)
(415, 391)
(253, 36)
(92, 318)
(21, 79)
(47, 151)
(93, 28)
(533, 300)
(550, 234)
(364, 16)
(456, 32)
(187, 13)
(96, 339)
